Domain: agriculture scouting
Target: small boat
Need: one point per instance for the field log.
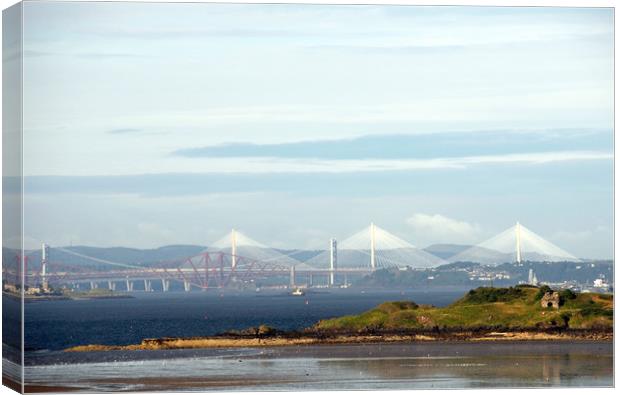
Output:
(298, 292)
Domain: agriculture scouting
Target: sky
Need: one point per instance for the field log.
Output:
(155, 124)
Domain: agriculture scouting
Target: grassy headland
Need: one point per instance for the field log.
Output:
(483, 314)
(514, 308)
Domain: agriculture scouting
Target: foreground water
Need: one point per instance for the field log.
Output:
(53, 326)
(368, 366)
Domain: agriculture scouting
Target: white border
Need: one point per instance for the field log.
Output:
(528, 3)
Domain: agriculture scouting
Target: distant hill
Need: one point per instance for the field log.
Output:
(445, 251)
(300, 255)
(475, 274)
(132, 256)
(129, 256)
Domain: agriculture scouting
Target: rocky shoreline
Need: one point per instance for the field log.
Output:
(296, 339)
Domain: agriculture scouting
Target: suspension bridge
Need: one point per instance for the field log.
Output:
(238, 260)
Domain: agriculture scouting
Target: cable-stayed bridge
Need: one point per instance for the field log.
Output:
(515, 244)
(373, 248)
(238, 259)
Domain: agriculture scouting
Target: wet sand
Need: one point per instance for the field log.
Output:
(30, 388)
(500, 363)
(442, 349)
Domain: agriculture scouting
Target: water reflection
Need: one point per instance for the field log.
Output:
(486, 371)
(410, 366)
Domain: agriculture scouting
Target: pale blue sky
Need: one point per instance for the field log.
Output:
(151, 124)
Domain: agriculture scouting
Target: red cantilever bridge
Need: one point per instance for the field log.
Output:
(209, 269)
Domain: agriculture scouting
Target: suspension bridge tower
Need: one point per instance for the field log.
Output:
(233, 248)
(518, 237)
(373, 262)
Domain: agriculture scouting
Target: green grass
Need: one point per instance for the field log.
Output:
(508, 308)
(492, 295)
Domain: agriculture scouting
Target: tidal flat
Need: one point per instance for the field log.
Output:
(498, 364)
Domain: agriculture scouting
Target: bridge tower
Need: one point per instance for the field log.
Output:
(44, 258)
(233, 248)
(333, 261)
(518, 236)
(373, 263)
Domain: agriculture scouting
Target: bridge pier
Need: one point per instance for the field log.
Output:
(147, 286)
(93, 285)
(129, 286)
(165, 285)
(187, 286)
(310, 280)
(111, 285)
(292, 277)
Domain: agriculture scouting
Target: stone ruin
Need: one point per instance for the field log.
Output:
(550, 299)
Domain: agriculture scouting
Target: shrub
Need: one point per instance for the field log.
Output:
(542, 291)
(525, 286)
(565, 317)
(567, 294)
(491, 295)
(392, 307)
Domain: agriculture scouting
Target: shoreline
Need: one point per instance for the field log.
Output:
(51, 298)
(224, 341)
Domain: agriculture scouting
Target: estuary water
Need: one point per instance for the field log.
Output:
(52, 326)
(56, 325)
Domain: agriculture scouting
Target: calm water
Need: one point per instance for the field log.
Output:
(53, 326)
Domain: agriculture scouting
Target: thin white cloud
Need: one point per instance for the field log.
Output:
(444, 229)
(432, 107)
(563, 107)
(126, 165)
(278, 165)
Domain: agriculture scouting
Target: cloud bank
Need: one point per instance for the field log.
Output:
(444, 229)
